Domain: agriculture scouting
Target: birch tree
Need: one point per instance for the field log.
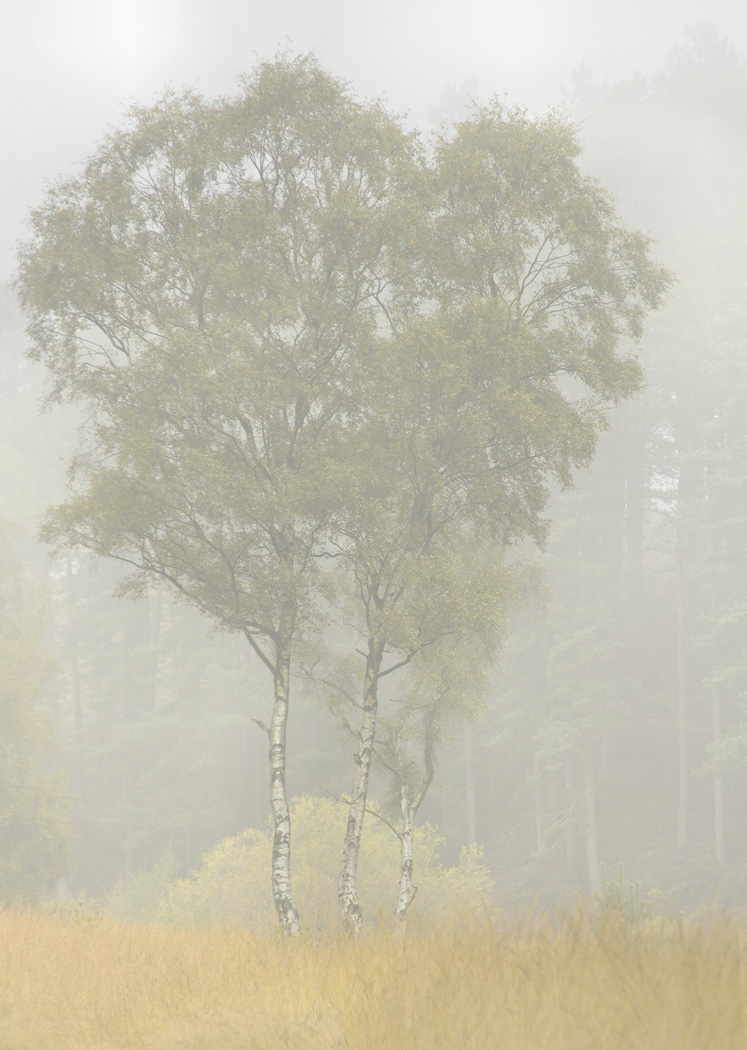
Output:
(199, 288)
(445, 688)
(498, 382)
(441, 632)
(295, 337)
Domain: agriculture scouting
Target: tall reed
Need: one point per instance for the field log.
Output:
(555, 983)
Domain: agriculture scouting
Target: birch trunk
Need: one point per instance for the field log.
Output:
(409, 806)
(406, 894)
(285, 905)
(347, 888)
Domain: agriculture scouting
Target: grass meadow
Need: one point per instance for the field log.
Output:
(564, 983)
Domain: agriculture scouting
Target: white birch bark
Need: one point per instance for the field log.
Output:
(409, 807)
(406, 894)
(347, 889)
(285, 905)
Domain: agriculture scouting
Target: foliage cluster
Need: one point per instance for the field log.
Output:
(231, 886)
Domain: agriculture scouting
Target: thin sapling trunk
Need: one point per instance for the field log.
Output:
(285, 905)
(409, 806)
(347, 891)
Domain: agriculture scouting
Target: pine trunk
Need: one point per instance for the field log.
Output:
(75, 676)
(636, 496)
(689, 491)
(571, 821)
(590, 818)
(682, 735)
(469, 784)
(539, 816)
(718, 788)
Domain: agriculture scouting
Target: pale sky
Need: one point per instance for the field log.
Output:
(70, 68)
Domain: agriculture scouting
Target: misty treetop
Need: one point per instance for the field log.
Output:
(302, 335)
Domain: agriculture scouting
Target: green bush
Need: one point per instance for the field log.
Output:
(232, 885)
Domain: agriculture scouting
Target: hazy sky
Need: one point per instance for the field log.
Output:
(69, 68)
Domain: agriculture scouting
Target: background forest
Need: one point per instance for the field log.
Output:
(615, 731)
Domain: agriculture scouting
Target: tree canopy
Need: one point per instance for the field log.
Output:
(494, 384)
(298, 335)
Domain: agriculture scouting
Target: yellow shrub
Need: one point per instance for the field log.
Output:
(232, 885)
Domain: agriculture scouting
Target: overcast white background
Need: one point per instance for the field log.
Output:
(70, 67)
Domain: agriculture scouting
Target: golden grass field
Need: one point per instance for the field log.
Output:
(562, 984)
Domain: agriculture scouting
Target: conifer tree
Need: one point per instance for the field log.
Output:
(34, 848)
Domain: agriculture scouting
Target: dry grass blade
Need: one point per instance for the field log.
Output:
(565, 984)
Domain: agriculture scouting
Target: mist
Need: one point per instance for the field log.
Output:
(501, 698)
